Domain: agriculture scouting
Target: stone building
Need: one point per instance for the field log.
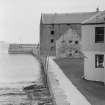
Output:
(93, 47)
(53, 26)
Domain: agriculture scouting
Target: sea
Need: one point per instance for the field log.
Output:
(16, 72)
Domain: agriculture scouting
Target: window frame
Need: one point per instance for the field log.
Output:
(99, 35)
(96, 66)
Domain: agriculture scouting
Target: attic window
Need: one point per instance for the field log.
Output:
(99, 61)
(99, 34)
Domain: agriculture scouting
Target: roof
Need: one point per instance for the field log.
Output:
(97, 18)
(66, 17)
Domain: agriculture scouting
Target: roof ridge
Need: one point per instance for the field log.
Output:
(68, 13)
(93, 17)
(76, 17)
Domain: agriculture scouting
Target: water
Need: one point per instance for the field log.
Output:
(16, 71)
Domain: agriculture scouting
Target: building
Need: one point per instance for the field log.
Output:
(93, 47)
(53, 26)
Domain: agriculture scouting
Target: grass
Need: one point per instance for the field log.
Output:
(74, 70)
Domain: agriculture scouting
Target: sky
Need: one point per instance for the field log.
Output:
(20, 19)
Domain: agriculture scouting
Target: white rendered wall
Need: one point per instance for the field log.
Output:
(90, 72)
(88, 39)
(90, 48)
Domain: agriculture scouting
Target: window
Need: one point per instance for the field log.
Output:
(52, 40)
(99, 34)
(99, 61)
(76, 51)
(76, 42)
(70, 41)
(52, 32)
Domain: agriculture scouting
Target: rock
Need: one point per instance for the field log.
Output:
(33, 87)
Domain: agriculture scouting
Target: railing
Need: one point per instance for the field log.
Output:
(47, 80)
(44, 61)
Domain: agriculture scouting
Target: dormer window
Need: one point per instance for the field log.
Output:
(99, 34)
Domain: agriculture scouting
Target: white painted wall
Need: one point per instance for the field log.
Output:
(90, 72)
(88, 38)
(90, 48)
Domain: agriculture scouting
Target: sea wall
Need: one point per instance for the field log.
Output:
(22, 48)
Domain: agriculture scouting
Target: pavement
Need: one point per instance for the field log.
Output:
(64, 91)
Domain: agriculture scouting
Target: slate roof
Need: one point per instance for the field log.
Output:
(97, 18)
(66, 17)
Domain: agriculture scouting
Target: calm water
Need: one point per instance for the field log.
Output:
(16, 71)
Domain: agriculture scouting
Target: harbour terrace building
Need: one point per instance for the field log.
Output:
(93, 47)
(53, 26)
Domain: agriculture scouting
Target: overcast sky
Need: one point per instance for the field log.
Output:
(19, 19)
